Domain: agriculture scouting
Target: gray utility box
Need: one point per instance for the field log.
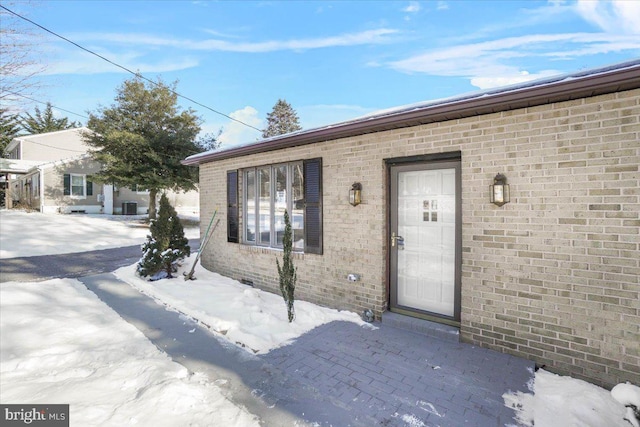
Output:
(129, 208)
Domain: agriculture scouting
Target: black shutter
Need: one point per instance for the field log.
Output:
(233, 223)
(89, 188)
(67, 185)
(313, 206)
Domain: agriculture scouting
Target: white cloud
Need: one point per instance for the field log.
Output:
(413, 7)
(137, 51)
(612, 16)
(442, 5)
(62, 60)
(348, 39)
(494, 63)
(234, 133)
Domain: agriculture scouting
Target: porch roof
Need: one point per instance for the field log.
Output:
(18, 166)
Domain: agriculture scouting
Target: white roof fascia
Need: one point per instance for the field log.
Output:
(39, 135)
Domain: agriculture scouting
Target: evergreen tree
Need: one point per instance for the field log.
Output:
(287, 272)
(141, 139)
(44, 121)
(9, 129)
(165, 246)
(282, 119)
(209, 141)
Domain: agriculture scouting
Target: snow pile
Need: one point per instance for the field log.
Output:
(565, 401)
(629, 395)
(250, 318)
(24, 234)
(60, 344)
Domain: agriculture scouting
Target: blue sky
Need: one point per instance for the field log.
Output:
(332, 61)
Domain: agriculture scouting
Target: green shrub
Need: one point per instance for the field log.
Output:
(287, 271)
(165, 246)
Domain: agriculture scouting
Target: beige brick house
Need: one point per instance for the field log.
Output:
(552, 275)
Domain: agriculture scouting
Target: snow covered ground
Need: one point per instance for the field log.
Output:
(60, 344)
(564, 401)
(24, 234)
(253, 319)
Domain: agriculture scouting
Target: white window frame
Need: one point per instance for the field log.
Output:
(272, 209)
(84, 186)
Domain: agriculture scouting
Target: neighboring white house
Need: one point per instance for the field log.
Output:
(51, 172)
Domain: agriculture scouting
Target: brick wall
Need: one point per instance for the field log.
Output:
(551, 276)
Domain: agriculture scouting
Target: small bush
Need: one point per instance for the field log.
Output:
(287, 271)
(166, 246)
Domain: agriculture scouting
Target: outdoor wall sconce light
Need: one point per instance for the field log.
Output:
(355, 194)
(499, 191)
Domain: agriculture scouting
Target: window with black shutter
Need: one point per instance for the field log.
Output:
(313, 206)
(67, 185)
(76, 186)
(270, 190)
(232, 207)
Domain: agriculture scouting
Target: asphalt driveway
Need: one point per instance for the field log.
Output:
(73, 265)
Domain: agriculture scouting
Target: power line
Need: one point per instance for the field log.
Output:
(126, 69)
(70, 112)
(45, 103)
(52, 146)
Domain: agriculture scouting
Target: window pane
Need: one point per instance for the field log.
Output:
(297, 197)
(250, 206)
(77, 185)
(280, 201)
(264, 225)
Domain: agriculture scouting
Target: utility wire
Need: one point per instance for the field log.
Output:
(126, 69)
(52, 146)
(45, 103)
(71, 112)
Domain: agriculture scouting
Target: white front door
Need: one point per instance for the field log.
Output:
(107, 190)
(424, 230)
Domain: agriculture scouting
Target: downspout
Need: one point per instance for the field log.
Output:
(8, 196)
(41, 173)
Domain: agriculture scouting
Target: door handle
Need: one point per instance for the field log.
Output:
(397, 240)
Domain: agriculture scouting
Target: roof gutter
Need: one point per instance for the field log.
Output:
(564, 89)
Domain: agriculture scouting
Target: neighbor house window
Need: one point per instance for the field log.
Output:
(77, 185)
(31, 186)
(268, 191)
(35, 185)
